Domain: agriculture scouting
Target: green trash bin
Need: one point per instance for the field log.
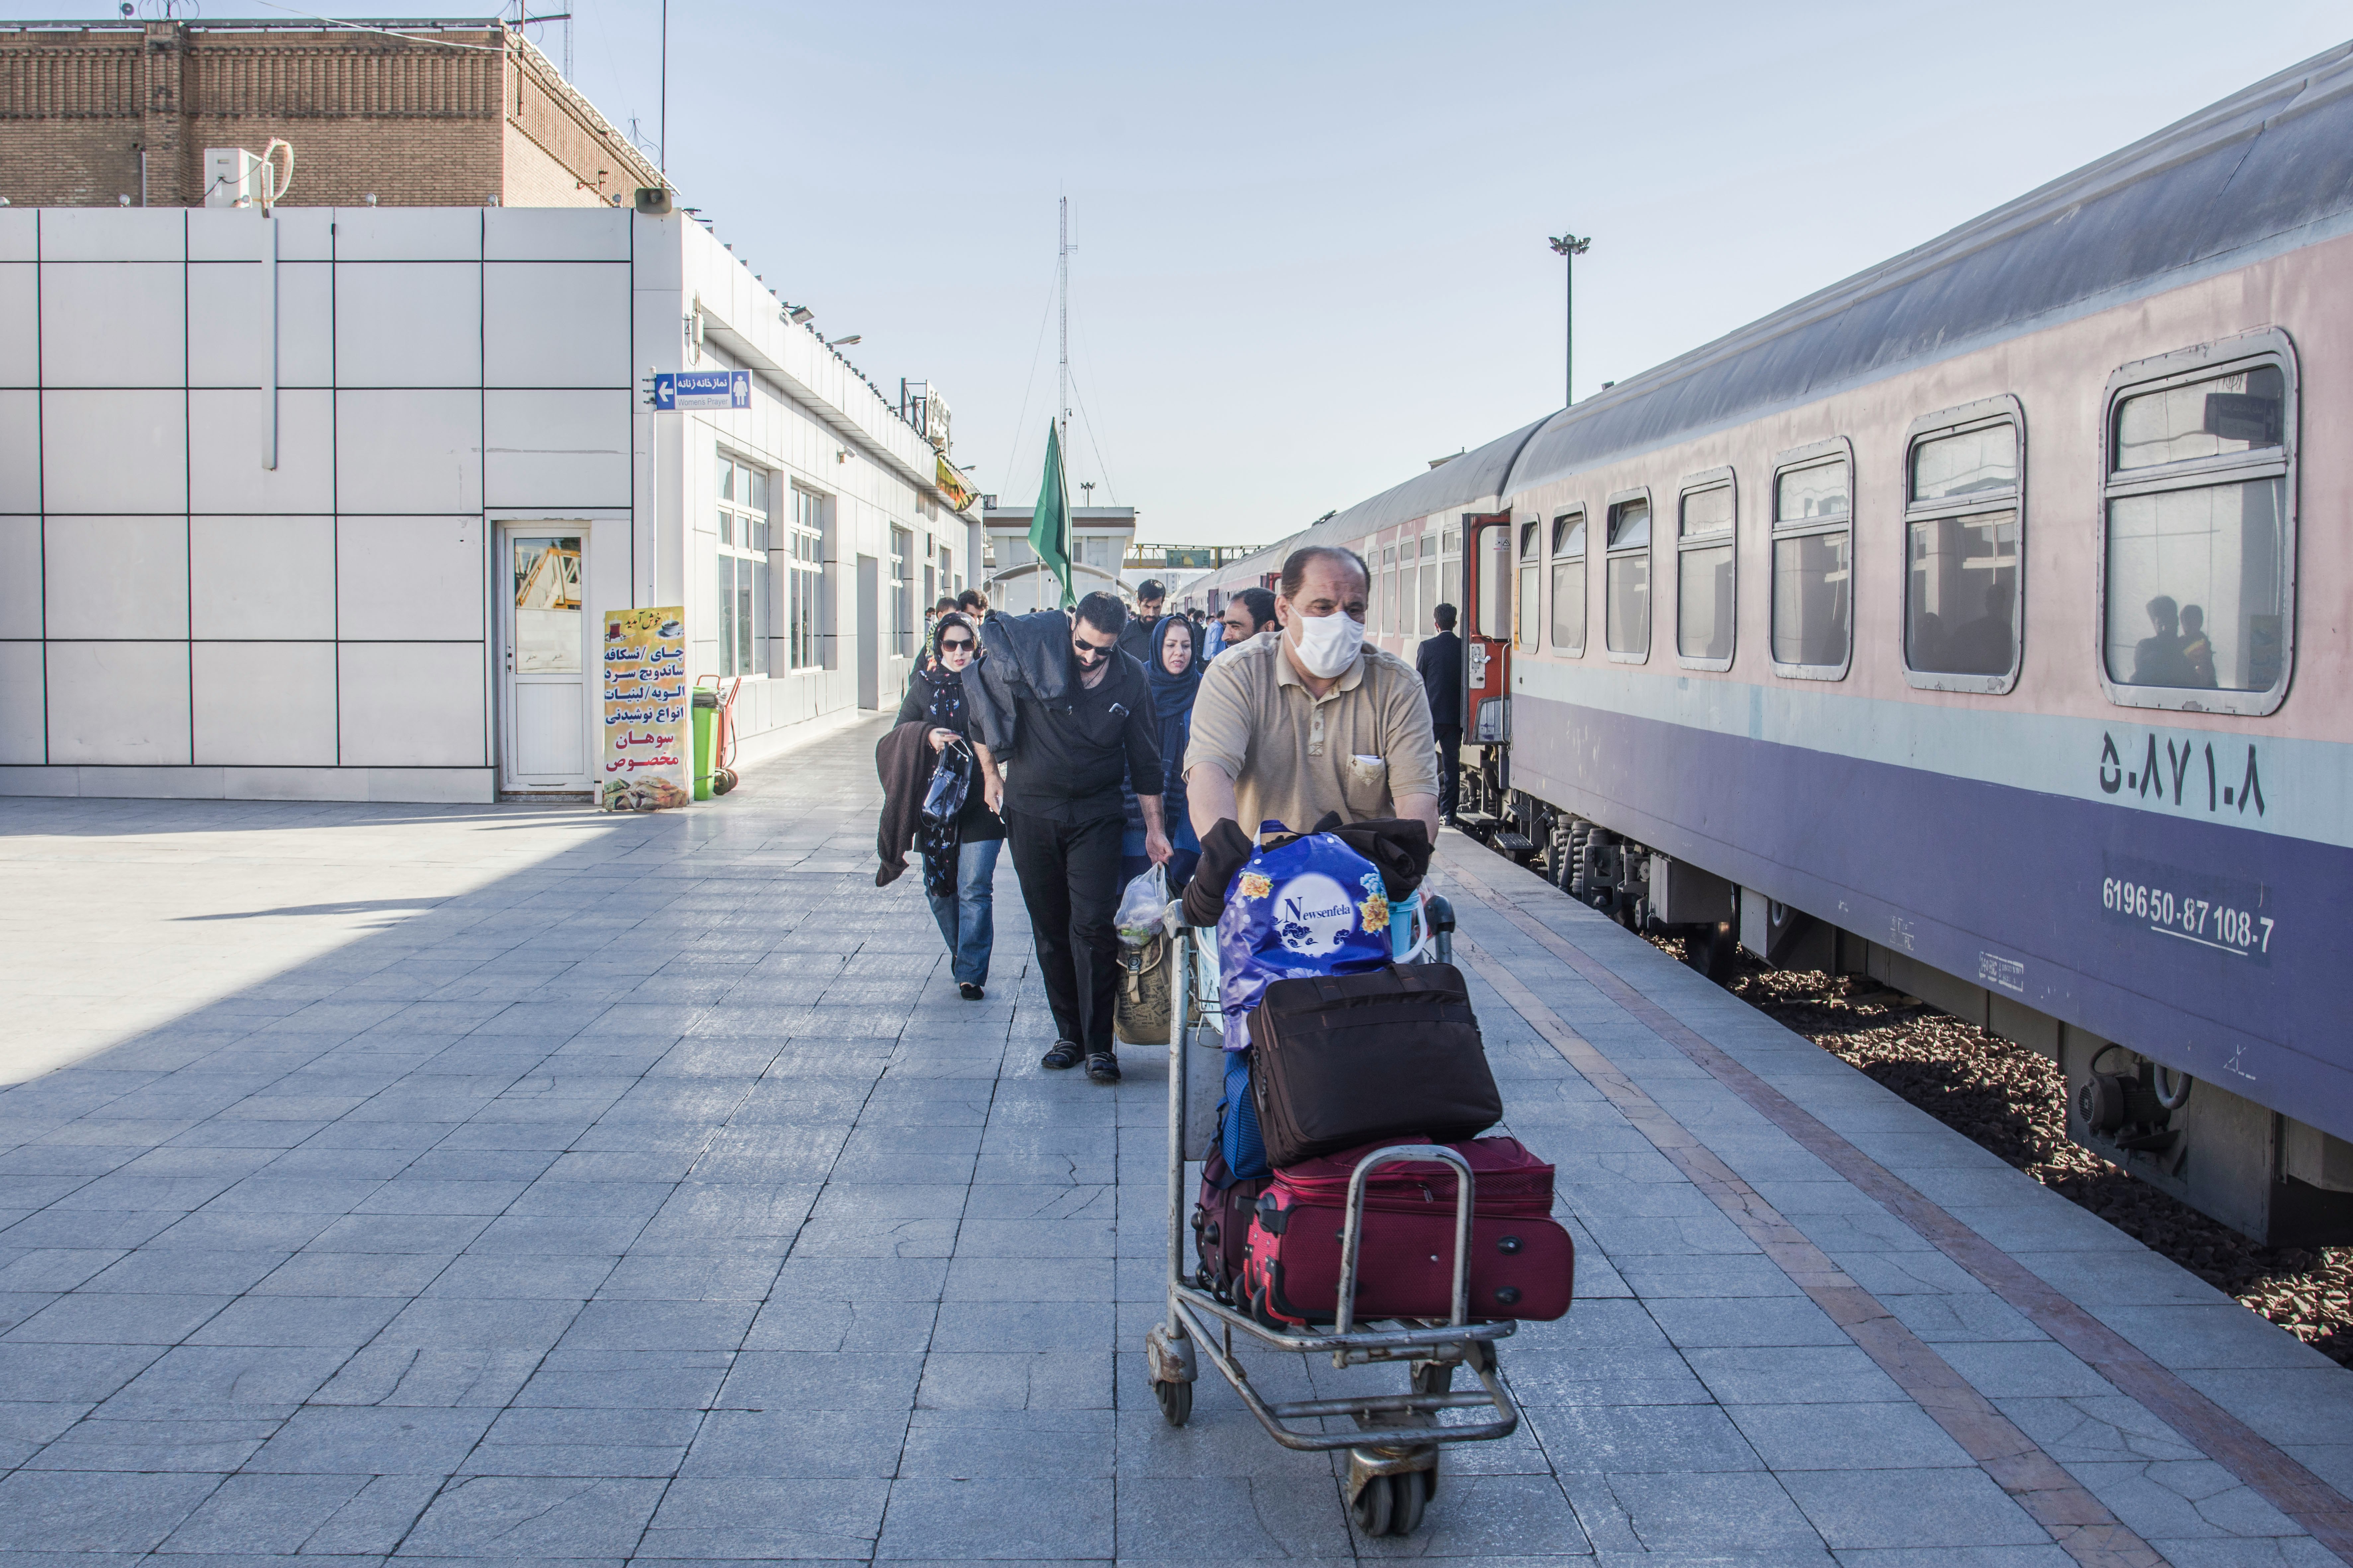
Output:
(706, 735)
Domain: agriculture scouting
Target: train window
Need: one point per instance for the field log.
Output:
(1388, 622)
(1427, 599)
(1625, 578)
(1492, 614)
(1704, 555)
(1525, 626)
(1450, 568)
(2198, 555)
(1963, 507)
(1568, 583)
(1813, 575)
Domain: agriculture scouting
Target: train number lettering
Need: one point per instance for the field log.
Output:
(2227, 917)
(2175, 775)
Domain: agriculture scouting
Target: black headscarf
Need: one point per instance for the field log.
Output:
(1173, 694)
(944, 698)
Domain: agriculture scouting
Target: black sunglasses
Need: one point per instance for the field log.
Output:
(949, 643)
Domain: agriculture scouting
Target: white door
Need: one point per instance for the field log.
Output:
(542, 570)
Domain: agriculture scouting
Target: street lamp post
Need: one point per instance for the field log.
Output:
(1569, 247)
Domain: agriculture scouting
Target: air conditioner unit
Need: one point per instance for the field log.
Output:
(233, 178)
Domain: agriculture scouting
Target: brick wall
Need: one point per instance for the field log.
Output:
(454, 119)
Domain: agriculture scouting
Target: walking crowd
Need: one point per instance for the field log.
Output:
(1100, 743)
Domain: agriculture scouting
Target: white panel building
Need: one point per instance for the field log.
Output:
(328, 505)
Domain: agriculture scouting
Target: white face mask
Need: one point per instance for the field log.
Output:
(1328, 645)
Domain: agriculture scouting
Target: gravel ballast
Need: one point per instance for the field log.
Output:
(2012, 1102)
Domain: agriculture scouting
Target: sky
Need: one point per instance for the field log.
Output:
(1310, 239)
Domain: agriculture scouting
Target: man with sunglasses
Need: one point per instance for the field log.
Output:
(1064, 814)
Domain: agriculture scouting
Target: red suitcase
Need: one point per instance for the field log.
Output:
(1523, 1264)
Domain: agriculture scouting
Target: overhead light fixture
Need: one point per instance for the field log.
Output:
(845, 343)
(798, 315)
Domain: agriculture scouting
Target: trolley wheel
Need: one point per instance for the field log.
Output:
(1373, 1507)
(1409, 1494)
(1176, 1402)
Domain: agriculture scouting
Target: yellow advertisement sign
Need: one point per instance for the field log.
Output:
(647, 721)
(951, 483)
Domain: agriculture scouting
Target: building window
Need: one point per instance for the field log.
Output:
(1626, 579)
(745, 607)
(1526, 626)
(1568, 583)
(2197, 608)
(902, 594)
(807, 564)
(1962, 564)
(1813, 575)
(1704, 565)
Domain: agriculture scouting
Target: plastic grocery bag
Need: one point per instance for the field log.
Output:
(1143, 908)
(1310, 906)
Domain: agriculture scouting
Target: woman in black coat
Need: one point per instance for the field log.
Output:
(967, 916)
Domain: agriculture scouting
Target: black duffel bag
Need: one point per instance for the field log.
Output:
(1343, 1060)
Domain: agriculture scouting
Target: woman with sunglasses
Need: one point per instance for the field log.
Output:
(935, 696)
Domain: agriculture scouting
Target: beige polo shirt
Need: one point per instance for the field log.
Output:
(1294, 756)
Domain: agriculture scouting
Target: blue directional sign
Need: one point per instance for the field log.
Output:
(703, 389)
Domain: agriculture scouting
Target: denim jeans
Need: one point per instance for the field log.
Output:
(969, 921)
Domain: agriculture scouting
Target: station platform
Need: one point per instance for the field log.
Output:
(435, 1183)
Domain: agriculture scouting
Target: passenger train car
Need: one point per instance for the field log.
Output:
(1979, 624)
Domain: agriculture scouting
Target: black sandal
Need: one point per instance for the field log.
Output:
(970, 990)
(1065, 1054)
(1102, 1067)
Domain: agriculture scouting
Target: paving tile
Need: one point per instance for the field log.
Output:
(786, 1443)
(394, 1441)
(1915, 1507)
(1727, 1512)
(535, 1517)
(92, 1511)
(221, 1378)
(1897, 1435)
(932, 1518)
(1671, 1439)
(89, 1317)
(749, 1518)
(330, 1320)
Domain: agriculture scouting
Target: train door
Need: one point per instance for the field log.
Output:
(1487, 638)
(1487, 655)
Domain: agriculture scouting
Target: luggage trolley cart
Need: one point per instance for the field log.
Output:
(1393, 1453)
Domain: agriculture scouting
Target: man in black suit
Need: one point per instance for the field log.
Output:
(1440, 661)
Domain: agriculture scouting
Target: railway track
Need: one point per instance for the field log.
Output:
(2012, 1102)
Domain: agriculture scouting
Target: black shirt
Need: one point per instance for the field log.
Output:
(1074, 752)
(1136, 638)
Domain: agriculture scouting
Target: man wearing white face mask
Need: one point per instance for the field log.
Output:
(1289, 728)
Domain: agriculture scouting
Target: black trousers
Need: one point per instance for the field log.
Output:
(1450, 767)
(1070, 880)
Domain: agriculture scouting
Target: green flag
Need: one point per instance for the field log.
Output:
(1049, 523)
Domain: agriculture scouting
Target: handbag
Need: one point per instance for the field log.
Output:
(1346, 1059)
(951, 783)
(939, 832)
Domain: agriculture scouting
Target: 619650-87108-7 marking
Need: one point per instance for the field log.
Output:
(2224, 914)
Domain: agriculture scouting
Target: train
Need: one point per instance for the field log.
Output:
(1957, 625)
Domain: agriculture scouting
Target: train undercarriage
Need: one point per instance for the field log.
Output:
(2274, 1179)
